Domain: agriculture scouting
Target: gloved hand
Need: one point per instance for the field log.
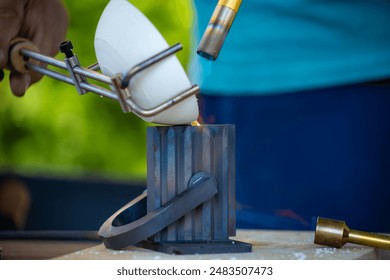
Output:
(43, 22)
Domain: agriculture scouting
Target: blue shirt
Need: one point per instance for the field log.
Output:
(281, 46)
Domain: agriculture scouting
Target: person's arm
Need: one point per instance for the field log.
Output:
(43, 22)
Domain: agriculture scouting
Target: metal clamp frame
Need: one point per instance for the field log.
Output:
(78, 76)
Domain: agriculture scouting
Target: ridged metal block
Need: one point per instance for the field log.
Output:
(175, 153)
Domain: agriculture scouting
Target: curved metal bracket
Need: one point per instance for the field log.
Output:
(129, 225)
(149, 62)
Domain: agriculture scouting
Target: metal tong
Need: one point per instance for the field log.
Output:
(25, 57)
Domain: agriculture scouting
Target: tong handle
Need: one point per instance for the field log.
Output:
(17, 61)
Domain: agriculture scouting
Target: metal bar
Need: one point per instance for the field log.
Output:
(62, 65)
(149, 62)
(50, 73)
(164, 106)
(45, 59)
(92, 74)
(61, 77)
(122, 94)
(99, 90)
(71, 63)
(94, 67)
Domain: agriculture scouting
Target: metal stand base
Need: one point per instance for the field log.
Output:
(194, 247)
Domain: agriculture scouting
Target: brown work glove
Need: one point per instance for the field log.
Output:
(43, 22)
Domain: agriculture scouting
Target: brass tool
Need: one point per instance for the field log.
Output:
(336, 233)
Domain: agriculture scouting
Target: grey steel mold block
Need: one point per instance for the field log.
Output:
(175, 153)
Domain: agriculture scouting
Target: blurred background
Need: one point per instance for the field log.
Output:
(80, 150)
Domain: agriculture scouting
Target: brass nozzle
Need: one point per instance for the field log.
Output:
(218, 28)
(336, 233)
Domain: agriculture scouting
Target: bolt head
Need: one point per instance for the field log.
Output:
(66, 47)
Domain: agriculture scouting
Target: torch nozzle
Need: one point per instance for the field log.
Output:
(336, 233)
(218, 28)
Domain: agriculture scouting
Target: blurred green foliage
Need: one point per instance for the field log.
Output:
(54, 131)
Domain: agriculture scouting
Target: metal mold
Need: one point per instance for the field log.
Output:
(190, 206)
(174, 154)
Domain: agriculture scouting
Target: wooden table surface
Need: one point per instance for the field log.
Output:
(40, 249)
(267, 245)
